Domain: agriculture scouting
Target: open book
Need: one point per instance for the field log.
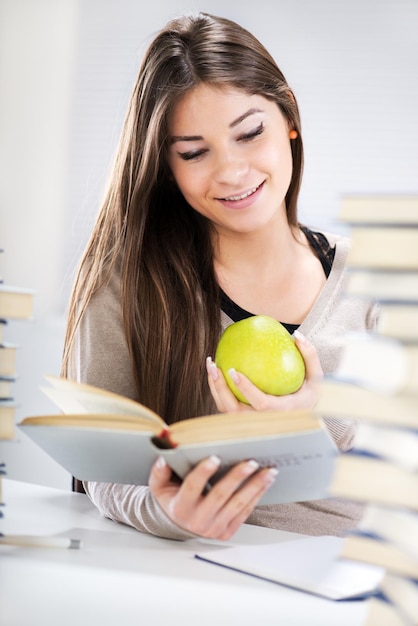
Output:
(108, 438)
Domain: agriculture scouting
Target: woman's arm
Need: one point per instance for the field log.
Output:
(166, 508)
(101, 358)
(134, 505)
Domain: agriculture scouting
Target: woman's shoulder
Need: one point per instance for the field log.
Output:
(336, 238)
(338, 243)
(326, 238)
(333, 238)
(106, 283)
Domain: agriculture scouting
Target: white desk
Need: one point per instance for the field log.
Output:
(121, 577)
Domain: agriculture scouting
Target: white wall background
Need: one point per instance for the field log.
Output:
(66, 71)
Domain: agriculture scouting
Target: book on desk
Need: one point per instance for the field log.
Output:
(16, 303)
(380, 209)
(376, 383)
(311, 564)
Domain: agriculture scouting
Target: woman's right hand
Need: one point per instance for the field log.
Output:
(218, 513)
(305, 398)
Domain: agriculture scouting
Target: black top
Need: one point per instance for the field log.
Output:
(321, 248)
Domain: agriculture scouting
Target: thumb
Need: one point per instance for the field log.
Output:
(313, 366)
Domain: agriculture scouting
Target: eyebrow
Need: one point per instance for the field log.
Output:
(237, 121)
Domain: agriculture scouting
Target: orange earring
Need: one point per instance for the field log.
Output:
(293, 134)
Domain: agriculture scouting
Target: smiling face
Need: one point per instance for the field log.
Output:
(229, 153)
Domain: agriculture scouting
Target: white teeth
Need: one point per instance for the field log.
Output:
(244, 195)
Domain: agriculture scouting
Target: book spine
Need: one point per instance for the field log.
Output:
(381, 470)
(15, 303)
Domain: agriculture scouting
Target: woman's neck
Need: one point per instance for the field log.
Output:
(275, 273)
(247, 256)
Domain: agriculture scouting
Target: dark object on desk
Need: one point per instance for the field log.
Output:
(77, 486)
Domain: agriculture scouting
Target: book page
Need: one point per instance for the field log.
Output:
(243, 425)
(72, 397)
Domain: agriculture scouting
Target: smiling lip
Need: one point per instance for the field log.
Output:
(242, 200)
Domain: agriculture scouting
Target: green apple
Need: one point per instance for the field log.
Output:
(265, 352)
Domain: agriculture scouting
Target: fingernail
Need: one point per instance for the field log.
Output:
(160, 462)
(298, 335)
(234, 375)
(211, 368)
(251, 466)
(271, 475)
(213, 461)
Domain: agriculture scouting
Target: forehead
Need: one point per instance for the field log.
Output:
(207, 104)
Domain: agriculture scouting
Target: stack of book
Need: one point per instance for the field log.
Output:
(15, 304)
(377, 384)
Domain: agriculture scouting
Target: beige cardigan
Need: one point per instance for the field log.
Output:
(102, 359)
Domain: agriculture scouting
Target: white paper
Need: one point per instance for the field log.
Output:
(311, 564)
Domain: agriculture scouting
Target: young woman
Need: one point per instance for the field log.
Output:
(198, 229)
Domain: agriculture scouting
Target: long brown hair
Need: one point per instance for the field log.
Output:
(169, 294)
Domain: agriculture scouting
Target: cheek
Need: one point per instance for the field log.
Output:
(185, 184)
(190, 181)
(279, 159)
(179, 179)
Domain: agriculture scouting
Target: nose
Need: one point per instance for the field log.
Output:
(230, 167)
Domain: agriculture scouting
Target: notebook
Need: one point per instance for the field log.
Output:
(311, 564)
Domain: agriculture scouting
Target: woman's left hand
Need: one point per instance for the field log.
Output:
(305, 398)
